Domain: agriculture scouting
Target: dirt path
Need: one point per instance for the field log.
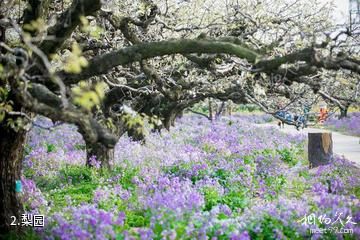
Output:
(347, 146)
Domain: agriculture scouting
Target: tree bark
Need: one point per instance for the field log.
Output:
(210, 110)
(103, 155)
(137, 52)
(343, 112)
(66, 23)
(137, 133)
(168, 120)
(320, 149)
(36, 9)
(220, 110)
(229, 108)
(11, 154)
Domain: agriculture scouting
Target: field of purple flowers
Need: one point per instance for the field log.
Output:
(257, 118)
(349, 125)
(223, 180)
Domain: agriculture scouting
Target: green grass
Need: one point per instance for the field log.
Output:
(79, 194)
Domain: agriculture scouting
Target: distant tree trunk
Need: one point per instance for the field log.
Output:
(11, 154)
(220, 110)
(157, 128)
(170, 116)
(137, 133)
(103, 154)
(210, 110)
(180, 115)
(343, 112)
(229, 108)
(320, 149)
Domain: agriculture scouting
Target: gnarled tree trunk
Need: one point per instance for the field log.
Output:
(343, 112)
(103, 155)
(11, 154)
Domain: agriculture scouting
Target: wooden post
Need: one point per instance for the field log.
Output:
(320, 149)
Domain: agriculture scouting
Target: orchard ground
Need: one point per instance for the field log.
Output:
(229, 179)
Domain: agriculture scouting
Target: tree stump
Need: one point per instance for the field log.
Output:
(320, 149)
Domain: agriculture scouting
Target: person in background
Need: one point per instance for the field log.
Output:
(323, 114)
